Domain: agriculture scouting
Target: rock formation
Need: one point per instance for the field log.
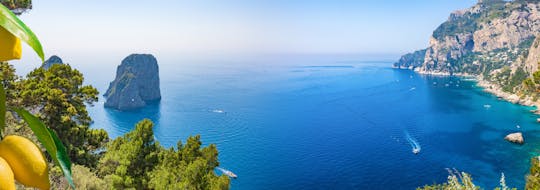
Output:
(515, 138)
(496, 41)
(136, 83)
(51, 61)
(411, 60)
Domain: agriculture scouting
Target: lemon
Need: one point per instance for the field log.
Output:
(7, 181)
(26, 161)
(10, 46)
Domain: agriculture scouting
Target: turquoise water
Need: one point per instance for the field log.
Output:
(333, 124)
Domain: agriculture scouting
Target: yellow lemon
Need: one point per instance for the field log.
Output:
(10, 46)
(7, 181)
(26, 161)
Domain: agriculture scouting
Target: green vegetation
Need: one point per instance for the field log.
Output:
(19, 149)
(415, 59)
(137, 161)
(531, 85)
(455, 182)
(60, 98)
(133, 161)
(462, 181)
(22, 5)
(533, 179)
(470, 22)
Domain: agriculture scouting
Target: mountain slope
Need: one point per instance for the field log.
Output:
(495, 40)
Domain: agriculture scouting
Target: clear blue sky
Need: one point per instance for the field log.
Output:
(199, 27)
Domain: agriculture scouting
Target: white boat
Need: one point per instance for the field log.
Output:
(218, 111)
(227, 173)
(414, 145)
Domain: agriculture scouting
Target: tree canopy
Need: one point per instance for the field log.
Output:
(57, 95)
(137, 161)
(17, 6)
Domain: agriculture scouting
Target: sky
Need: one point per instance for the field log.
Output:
(240, 27)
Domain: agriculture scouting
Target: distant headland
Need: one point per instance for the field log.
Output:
(495, 41)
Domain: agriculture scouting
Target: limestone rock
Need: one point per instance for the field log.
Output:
(136, 83)
(411, 60)
(515, 138)
(469, 39)
(495, 41)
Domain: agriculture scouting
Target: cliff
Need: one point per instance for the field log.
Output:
(136, 83)
(411, 60)
(495, 40)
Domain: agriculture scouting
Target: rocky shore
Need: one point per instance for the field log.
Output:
(488, 87)
(495, 42)
(497, 91)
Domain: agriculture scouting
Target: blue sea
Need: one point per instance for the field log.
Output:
(332, 123)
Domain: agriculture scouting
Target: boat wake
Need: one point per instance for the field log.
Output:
(218, 111)
(414, 144)
(227, 172)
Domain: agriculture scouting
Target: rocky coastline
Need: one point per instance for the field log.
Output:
(488, 87)
(510, 97)
(495, 42)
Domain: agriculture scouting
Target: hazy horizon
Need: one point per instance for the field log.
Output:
(79, 30)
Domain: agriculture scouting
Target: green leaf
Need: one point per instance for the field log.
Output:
(52, 143)
(63, 159)
(11, 23)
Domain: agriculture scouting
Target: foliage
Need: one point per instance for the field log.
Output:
(414, 59)
(514, 80)
(533, 179)
(17, 5)
(9, 79)
(47, 137)
(84, 178)
(456, 180)
(461, 181)
(470, 21)
(136, 161)
(463, 24)
(528, 85)
(11, 23)
(58, 95)
(536, 77)
(189, 167)
(130, 157)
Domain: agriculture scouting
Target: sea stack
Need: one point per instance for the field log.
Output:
(514, 138)
(136, 83)
(51, 61)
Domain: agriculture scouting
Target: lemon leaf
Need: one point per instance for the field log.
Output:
(11, 23)
(50, 140)
(63, 159)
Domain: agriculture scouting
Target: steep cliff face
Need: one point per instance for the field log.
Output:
(136, 83)
(411, 60)
(533, 57)
(492, 40)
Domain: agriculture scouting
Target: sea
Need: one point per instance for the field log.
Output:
(332, 123)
